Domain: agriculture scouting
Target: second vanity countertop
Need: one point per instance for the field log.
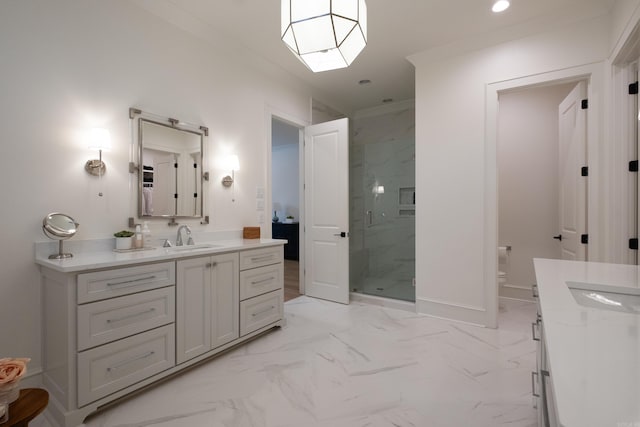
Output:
(98, 256)
(594, 354)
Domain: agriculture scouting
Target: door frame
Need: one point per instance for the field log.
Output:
(624, 193)
(273, 113)
(594, 75)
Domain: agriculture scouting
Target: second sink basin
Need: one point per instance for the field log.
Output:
(187, 248)
(606, 297)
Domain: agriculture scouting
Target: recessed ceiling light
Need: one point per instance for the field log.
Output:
(500, 6)
(364, 82)
(387, 100)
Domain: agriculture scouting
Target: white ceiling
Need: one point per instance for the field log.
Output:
(397, 29)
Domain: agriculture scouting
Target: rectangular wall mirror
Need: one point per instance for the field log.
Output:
(169, 164)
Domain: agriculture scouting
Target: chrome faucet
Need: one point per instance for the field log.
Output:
(179, 236)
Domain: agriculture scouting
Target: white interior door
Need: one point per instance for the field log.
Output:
(573, 186)
(326, 196)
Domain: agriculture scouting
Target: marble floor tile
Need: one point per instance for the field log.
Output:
(352, 366)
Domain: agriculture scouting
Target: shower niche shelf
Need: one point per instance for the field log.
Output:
(407, 202)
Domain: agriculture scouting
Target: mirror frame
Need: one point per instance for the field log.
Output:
(56, 231)
(135, 165)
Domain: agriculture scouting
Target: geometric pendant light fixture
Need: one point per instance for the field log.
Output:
(324, 34)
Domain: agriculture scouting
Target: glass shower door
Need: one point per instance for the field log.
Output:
(383, 219)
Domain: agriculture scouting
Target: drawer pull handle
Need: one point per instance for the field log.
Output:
(261, 258)
(263, 311)
(268, 279)
(140, 279)
(126, 362)
(129, 316)
(211, 264)
(533, 331)
(534, 376)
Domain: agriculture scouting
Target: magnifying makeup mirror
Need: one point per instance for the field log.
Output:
(58, 226)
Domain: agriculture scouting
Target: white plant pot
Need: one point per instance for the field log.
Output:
(124, 242)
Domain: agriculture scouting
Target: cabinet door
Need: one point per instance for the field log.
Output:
(193, 311)
(225, 299)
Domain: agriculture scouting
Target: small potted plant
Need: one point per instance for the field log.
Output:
(123, 239)
(289, 219)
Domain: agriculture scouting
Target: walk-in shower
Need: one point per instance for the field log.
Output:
(382, 196)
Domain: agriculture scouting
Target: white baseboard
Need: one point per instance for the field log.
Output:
(456, 312)
(523, 293)
(383, 302)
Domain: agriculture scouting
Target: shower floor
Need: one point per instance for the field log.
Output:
(381, 287)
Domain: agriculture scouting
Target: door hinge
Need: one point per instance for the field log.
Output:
(633, 88)
(584, 171)
(584, 239)
(633, 244)
(584, 104)
(633, 166)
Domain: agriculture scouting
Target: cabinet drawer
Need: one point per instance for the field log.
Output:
(123, 281)
(260, 257)
(260, 311)
(111, 367)
(109, 320)
(261, 280)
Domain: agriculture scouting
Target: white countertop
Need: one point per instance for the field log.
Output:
(594, 354)
(96, 256)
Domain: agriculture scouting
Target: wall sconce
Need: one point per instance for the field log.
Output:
(234, 164)
(99, 139)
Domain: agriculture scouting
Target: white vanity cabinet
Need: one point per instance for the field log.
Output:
(207, 304)
(105, 331)
(261, 288)
(115, 326)
(541, 378)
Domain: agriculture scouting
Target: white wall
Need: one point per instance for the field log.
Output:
(69, 65)
(453, 269)
(528, 185)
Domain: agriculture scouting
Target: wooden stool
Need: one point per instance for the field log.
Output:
(27, 406)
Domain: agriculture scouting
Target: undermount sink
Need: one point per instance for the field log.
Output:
(188, 248)
(606, 297)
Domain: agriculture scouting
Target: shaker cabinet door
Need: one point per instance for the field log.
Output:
(225, 299)
(193, 310)
(208, 304)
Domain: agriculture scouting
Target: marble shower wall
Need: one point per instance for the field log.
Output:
(382, 225)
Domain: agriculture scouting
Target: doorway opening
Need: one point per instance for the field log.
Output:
(529, 184)
(286, 202)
